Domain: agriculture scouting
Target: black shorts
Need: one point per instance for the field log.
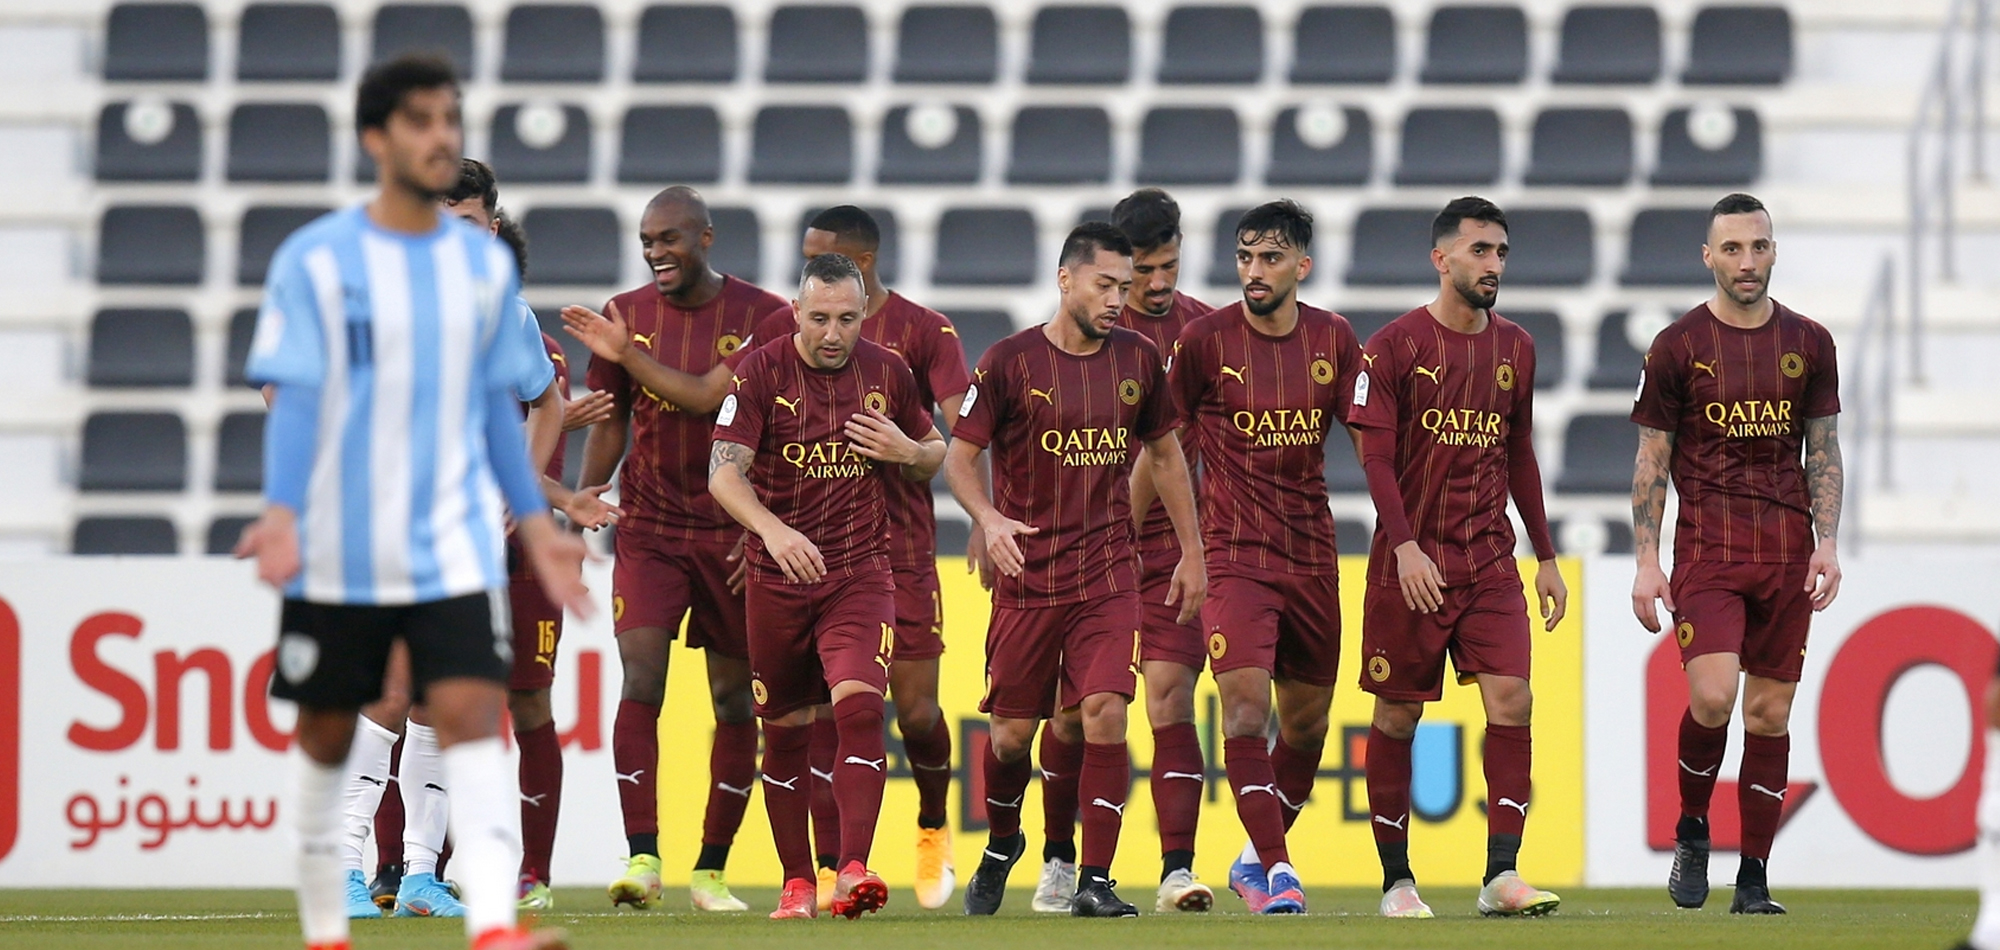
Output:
(332, 656)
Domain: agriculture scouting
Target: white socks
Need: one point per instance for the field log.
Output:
(1986, 927)
(1250, 855)
(425, 808)
(486, 831)
(366, 776)
(322, 879)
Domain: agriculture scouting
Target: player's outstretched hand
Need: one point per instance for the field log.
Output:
(797, 556)
(976, 558)
(605, 333)
(1651, 585)
(557, 557)
(875, 437)
(1001, 548)
(1823, 575)
(586, 412)
(588, 509)
(739, 574)
(273, 539)
(1552, 593)
(1188, 588)
(1423, 584)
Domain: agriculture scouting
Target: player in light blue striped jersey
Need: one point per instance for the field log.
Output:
(393, 440)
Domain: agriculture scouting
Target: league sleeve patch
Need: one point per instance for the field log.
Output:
(1361, 389)
(727, 414)
(1640, 393)
(971, 397)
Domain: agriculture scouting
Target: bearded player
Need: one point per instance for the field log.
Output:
(1061, 407)
(1445, 405)
(1262, 383)
(818, 423)
(1737, 405)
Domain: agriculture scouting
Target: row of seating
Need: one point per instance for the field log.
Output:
(1222, 44)
(936, 144)
(975, 246)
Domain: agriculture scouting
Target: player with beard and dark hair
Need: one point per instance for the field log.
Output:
(1738, 405)
(1262, 383)
(1445, 405)
(1062, 406)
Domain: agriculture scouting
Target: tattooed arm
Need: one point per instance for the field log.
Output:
(1824, 483)
(1649, 508)
(729, 482)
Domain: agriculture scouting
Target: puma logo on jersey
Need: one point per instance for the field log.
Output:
(1704, 773)
(633, 778)
(1397, 824)
(1708, 368)
(1186, 775)
(1435, 375)
(735, 380)
(948, 328)
(1517, 806)
(1369, 358)
(739, 792)
(1051, 400)
(1235, 374)
(791, 404)
(545, 661)
(535, 800)
(1779, 794)
(790, 784)
(1119, 810)
(875, 764)
(642, 338)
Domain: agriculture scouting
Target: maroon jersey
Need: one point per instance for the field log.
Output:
(1063, 431)
(1157, 532)
(663, 484)
(794, 415)
(1459, 404)
(1261, 407)
(1736, 401)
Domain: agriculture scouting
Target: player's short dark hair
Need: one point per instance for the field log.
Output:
(384, 86)
(515, 237)
(850, 225)
(1286, 218)
(1736, 203)
(1150, 218)
(475, 180)
(832, 269)
(1086, 239)
(1468, 208)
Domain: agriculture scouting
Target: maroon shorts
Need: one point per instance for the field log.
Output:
(1760, 612)
(537, 630)
(1287, 625)
(807, 637)
(657, 580)
(919, 614)
(1037, 657)
(1162, 637)
(1483, 626)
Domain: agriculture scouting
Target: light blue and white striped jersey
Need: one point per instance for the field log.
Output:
(542, 372)
(405, 337)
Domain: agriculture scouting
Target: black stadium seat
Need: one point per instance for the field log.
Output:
(1550, 247)
(224, 532)
(1350, 160)
(1450, 147)
(1610, 45)
(1213, 44)
(948, 44)
(1060, 145)
(978, 330)
(239, 452)
(280, 142)
(1597, 455)
(686, 44)
(573, 245)
(802, 145)
(169, 148)
(554, 43)
(242, 329)
(516, 157)
(151, 244)
(1190, 146)
(264, 227)
(1618, 361)
(1392, 248)
(1749, 46)
(739, 244)
(1367, 323)
(1343, 470)
(817, 44)
(953, 533)
(141, 348)
(888, 256)
(424, 27)
(985, 246)
(1344, 44)
(1581, 147)
(100, 535)
(1483, 44)
(288, 42)
(156, 41)
(1352, 535)
(1550, 348)
(1081, 45)
(134, 451)
(670, 144)
(1663, 248)
(904, 161)
(1606, 535)
(1683, 161)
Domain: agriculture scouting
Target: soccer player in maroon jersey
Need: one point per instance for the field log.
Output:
(674, 543)
(819, 423)
(1061, 407)
(1445, 403)
(1737, 404)
(1262, 383)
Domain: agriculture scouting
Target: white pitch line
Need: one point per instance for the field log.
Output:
(68, 919)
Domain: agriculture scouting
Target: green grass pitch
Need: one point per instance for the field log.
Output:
(1594, 919)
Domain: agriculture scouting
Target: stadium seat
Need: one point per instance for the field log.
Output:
(1060, 145)
(953, 533)
(100, 535)
(1581, 535)
(985, 246)
(1550, 347)
(242, 329)
(1352, 535)
(817, 44)
(1392, 247)
(1367, 323)
(802, 145)
(1222, 253)
(167, 146)
(224, 532)
(554, 43)
(1618, 361)
(1343, 471)
(265, 227)
(1190, 146)
(1663, 248)
(1581, 147)
(739, 244)
(141, 348)
(888, 256)
(686, 44)
(424, 27)
(1550, 247)
(134, 451)
(574, 350)
(948, 44)
(1081, 45)
(1736, 159)
(1476, 45)
(1609, 45)
(280, 142)
(1597, 455)
(1344, 45)
(156, 41)
(573, 245)
(280, 42)
(1749, 46)
(239, 452)
(1349, 160)
(1213, 44)
(954, 160)
(1450, 147)
(540, 143)
(150, 244)
(670, 145)
(978, 330)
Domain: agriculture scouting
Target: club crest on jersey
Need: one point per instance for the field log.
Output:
(1503, 377)
(1322, 371)
(1792, 365)
(1218, 645)
(1128, 391)
(1378, 668)
(875, 402)
(298, 656)
(728, 343)
(758, 692)
(1684, 633)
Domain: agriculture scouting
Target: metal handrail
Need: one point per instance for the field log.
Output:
(1953, 91)
(1872, 382)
